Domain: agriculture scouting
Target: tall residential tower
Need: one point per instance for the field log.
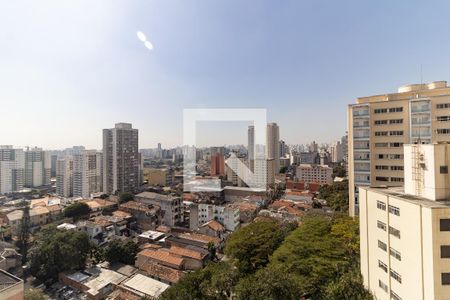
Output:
(120, 159)
(378, 126)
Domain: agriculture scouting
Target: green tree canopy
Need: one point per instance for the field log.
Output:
(125, 197)
(215, 282)
(269, 283)
(252, 245)
(336, 195)
(35, 295)
(312, 254)
(77, 210)
(56, 251)
(119, 251)
(347, 287)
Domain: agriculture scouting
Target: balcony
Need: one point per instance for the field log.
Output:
(362, 137)
(421, 123)
(361, 126)
(360, 113)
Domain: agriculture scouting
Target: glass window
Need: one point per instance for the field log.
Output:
(445, 251)
(444, 224)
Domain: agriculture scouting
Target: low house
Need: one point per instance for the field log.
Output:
(163, 257)
(150, 236)
(95, 282)
(11, 287)
(141, 287)
(147, 216)
(195, 257)
(157, 271)
(9, 257)
(99, 231)
(212, 228)
(98, 205)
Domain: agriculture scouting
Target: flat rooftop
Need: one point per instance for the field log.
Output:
(398, 192)
(145, 285)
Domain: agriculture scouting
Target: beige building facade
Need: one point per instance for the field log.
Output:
(379, 126)
(405, 232)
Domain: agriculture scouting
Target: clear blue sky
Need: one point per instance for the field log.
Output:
(70, 68)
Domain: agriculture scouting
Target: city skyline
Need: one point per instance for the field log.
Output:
(71, 70)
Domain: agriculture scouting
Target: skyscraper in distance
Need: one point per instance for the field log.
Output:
(273, 146)
(120, 159)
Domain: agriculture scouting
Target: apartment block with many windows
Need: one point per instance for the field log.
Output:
(405, 232)
(379, 126)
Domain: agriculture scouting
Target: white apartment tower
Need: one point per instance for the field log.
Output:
(251, 146)
(273, 146)
(120, 159)
(64, 176)
(405, 232)
(38, 166)
(12, 169)
(379, 126)
(87, 173)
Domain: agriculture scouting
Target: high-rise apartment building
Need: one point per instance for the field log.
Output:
(251, 146)
(336, 152)
(282, 148)
(38, 165)
(64, 176)
(217, 161)
(405, 232)
(12, 169)
(273, 146)
(378, 126)
(87, 173)
(121, 164)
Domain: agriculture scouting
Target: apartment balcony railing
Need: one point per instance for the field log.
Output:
(361, 126)
(420, 110)
(360, 113)
(362, 159)
(363, 137)
(421, 123)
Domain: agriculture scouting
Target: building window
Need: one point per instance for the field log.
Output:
(380, 122)
(396, 276)
(381, 225)
(382, 266)
(445, 278)
(443, 169)
(445, 251)
(382, 245)
(381, 133)
(443, 118)
(444, 224)
(380, 110)
(442, 105)
(381, 145)
(396, 145)
(382, 285)
(396, 121)
(396, 156)
(443, 131)
(394, 296)
(382, 167)
(395, 109)
(394, 232)
(381, 178)
(397, 168)
(396, 132)
(394, 210)
(395, 253)
(397, 179)
(381, 205)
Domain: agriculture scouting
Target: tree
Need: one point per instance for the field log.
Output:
(215, 282)
(119, 251)
(56, 251)
(77, 210)
(283, 170)
(35, 295)
(336, 195)
(268, 283)
(125, 197)
(212, 250)
(24, 234)
(339, 171)
(347, 287)
(252, 245)
(312, 255)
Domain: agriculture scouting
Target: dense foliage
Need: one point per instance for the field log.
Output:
(77, 210)
(251, 246)
(336, 195)
(119, 251)
(339, 171)
(272, 260)
(57, 251)
(125, 197)
(24, 233)
(34, 295)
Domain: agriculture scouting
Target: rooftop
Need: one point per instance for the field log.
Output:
(398, 192)
(214, 225)
(156, 196)
(134, 205)
(162, 272)
(145, 285)
(162, 255)
(7, 280)
(191, 252)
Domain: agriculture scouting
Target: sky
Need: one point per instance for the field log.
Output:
(68, 69)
